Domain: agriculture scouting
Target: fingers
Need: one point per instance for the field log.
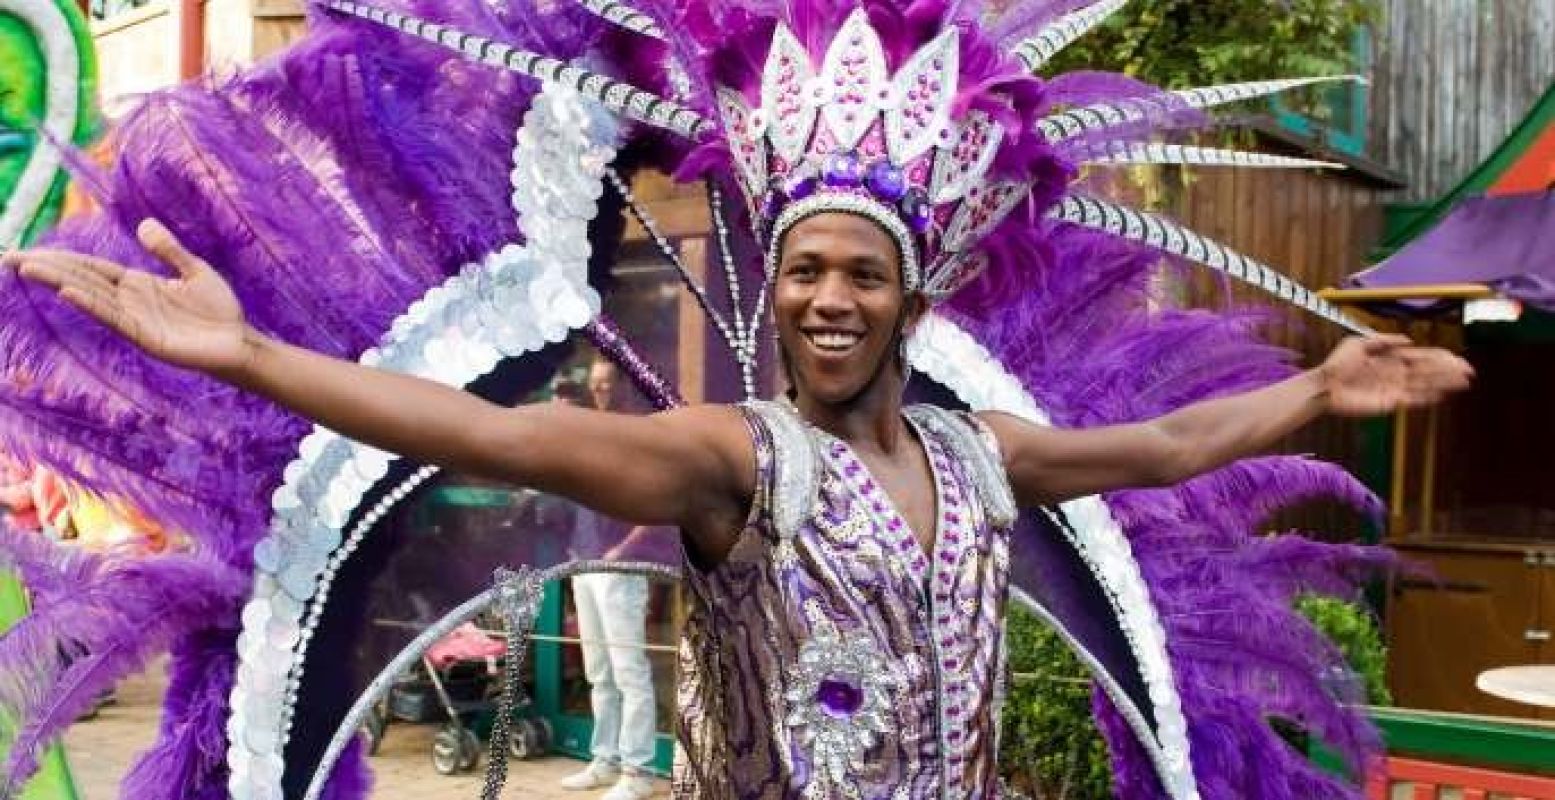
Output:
(1380, 343)
(109, 270)
(1432, 374)
(155, 237)
(60, 270)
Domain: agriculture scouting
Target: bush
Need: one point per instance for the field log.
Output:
(1353, 628)
(1051, 749)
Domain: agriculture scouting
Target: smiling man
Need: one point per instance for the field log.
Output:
(846, 627)
(848, 557)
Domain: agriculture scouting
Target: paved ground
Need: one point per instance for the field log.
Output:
(100, 750)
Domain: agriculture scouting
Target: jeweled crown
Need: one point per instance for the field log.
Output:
(850, 136)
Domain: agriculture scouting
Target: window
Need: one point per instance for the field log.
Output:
(1341, 117)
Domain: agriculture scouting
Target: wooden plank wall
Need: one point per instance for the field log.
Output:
(1452, 78)
(1315, 227)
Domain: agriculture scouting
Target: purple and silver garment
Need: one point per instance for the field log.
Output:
(829, 655)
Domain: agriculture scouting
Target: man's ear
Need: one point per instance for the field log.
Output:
(917, 304)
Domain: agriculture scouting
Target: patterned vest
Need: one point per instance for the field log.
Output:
(828, 656)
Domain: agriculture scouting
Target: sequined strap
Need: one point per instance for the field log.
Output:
(790, 479)
(975, 446)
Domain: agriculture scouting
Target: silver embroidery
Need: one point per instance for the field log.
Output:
(796, 467)
(993, 486)
(840, 699)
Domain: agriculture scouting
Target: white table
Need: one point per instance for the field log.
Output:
(1534, 685)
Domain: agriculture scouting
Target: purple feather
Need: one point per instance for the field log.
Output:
(188, 760)
(96, 620)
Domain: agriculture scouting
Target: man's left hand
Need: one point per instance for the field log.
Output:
(1374, 375)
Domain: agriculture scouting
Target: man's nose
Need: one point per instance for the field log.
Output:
(833, 295)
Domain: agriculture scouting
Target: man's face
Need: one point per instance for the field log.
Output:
(837, 300)
(602, 385)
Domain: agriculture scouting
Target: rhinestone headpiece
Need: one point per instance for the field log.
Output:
(851, 137)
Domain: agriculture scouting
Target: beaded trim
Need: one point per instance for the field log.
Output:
(621, 14)
(1060, 33)
(1163, 234)
(622, 98)
(1131, 153)
(993, 485)
(849, 203)
(1075, 122)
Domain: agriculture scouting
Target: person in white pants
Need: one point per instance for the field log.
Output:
(612, 622)
(612, 610)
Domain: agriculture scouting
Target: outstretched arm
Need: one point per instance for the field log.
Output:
(691, 467)
(1362, 377)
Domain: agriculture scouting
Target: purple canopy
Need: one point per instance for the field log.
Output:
(1507, 243)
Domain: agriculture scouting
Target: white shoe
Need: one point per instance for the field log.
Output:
(593, 776)
(631, 787)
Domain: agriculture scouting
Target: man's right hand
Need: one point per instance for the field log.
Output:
(192, 320)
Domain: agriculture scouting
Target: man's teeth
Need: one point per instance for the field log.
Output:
(834, 341)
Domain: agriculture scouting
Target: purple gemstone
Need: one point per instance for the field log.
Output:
(802, 188)
(843, 170)
(839, 698)
(886, 181)
(916, 209)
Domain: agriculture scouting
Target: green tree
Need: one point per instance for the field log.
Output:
(1181, 43)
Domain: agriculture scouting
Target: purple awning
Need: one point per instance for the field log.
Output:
(1507, 243)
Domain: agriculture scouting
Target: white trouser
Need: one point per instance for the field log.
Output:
(612, 621)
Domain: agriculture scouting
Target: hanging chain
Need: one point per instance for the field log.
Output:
(518, 600)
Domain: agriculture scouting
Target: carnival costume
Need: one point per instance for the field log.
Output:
(345, 190)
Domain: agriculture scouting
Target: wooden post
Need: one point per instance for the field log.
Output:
(1398, 516)
(191, 38)
(1428, 473)
(691, 341)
